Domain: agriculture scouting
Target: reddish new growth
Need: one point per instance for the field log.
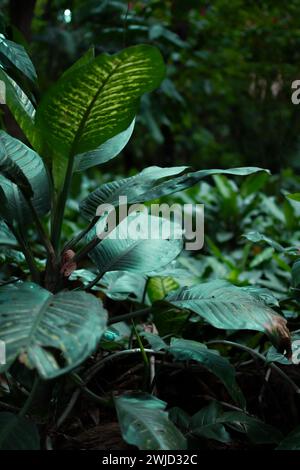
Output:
(67, 265)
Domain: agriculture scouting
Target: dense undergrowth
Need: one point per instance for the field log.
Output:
(115, 342)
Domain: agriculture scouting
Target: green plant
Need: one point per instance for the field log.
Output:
(51, 326)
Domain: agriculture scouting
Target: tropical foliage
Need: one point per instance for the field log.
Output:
(204, 345)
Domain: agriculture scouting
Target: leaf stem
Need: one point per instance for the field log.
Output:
(30, 398)
(89, 374)
(259, 356)
(72, 243)
(27, 253)
(42, 233)
(129, 316)
(60, 206)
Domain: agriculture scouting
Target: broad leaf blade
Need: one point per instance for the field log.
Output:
(18, 57)
(228, 307)
(96, 102)
(105, 152)
(52, 333)
(120, 251)
(145, 424)
(21, 108)
(151, 183)
(135, 188)
(32, 166)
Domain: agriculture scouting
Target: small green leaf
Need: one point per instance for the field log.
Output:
(294, 197)
(257, 237)
(158, 287)
(205, 424)
(145, 424)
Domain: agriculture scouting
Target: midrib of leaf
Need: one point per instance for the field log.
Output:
(61, 202)
(88, 110)
(41, 310)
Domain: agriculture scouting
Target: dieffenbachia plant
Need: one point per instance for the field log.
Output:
(85, 120)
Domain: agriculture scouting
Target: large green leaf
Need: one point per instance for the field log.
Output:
(32, 167)
(184, 350)
(145, 424)
(51, 333)
(205, 424)
(21, 108)
(96, 102)
(17, 433)
(229, 307)
(120, 251)
(135, 188)
(151, 183)
(18, 57)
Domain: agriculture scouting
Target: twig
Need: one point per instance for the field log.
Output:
(102, 363)
(129, 316)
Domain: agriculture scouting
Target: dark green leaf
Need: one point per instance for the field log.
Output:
(121, 252)
(145, 424)
(52, 333)
(226, 306)
(32, 167)
(18, 57)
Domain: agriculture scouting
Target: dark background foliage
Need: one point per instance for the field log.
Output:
(227, 96)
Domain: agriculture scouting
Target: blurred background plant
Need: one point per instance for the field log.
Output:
(226, 99)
